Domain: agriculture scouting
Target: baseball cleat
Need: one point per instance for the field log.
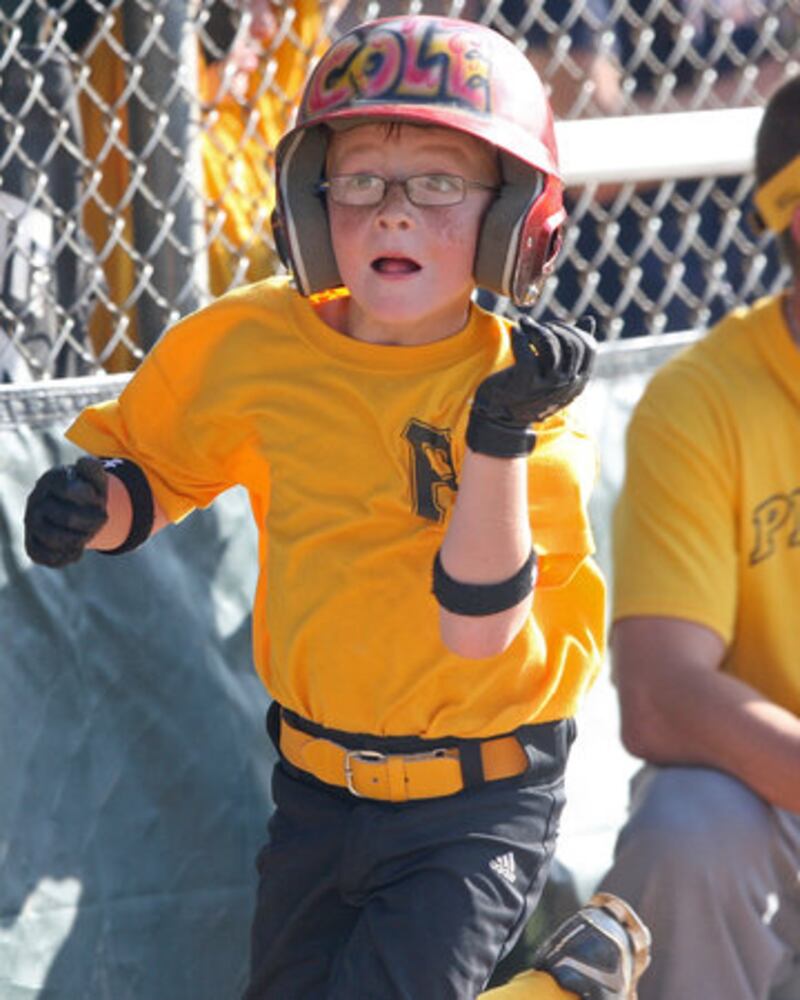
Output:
(600, 952)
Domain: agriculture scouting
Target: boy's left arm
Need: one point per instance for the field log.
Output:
(485, 570)
(102, 504)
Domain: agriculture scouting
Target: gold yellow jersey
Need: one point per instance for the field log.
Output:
(350, 453)
(708, 524)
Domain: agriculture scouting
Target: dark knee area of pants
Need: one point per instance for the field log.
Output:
(442, 905)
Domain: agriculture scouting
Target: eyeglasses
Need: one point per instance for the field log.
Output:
(423, 190)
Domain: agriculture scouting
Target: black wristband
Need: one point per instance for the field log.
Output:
(488, 437)
(477, 599)
(135, 482)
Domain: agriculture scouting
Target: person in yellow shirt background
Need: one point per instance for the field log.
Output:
(249, 97)
(251, 67)
(705, 641)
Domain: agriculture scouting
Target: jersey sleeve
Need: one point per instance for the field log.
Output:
(674, 543)
(166, 421)
(561, 473)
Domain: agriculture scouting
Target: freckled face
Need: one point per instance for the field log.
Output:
(409, 268)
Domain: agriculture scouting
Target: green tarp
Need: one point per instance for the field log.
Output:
(134, 766)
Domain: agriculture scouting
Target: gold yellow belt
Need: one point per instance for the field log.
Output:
(397, 777)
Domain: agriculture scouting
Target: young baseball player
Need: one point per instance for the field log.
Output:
(428, 613)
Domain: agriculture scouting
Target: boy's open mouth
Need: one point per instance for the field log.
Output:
(395, 265)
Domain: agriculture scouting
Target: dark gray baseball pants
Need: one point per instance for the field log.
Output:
(362, 900)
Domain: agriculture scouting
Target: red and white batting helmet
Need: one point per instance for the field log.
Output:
(428, 70)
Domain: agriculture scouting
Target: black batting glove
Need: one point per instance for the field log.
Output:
(552, 364)
(66, 508)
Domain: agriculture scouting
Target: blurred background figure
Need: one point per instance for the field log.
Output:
(252, 61)
(73, 270)
(248, 90)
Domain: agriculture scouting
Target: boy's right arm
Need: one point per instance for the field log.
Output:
(98, 504)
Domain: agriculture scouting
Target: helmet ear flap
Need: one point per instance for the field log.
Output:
(540, 243)
(279, 237)
(300, 220)
(521, 233)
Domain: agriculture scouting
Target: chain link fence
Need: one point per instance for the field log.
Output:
(137, 140)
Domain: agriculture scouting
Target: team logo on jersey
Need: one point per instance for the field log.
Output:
(776, 520)
(433, 475)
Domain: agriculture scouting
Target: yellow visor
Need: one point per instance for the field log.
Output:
(779, 197)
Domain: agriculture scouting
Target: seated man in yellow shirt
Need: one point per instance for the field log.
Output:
(705, 641)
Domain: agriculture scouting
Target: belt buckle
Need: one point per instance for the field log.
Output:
(369, 756)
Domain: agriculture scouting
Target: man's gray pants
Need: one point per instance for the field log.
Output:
(715, 873)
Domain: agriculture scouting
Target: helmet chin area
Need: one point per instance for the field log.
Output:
(428, 70)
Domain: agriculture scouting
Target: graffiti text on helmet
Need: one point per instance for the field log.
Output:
(404, 66)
